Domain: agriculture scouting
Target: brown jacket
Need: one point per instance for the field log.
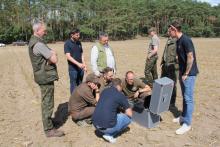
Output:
(82, 97)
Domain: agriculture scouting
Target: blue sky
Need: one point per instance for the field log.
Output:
(212, 2)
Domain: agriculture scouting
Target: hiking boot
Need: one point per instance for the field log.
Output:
(88, 121)
(54, 133)
(82, 123)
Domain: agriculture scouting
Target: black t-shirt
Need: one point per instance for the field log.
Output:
(75, 50)
(184, 46)
(105, 114)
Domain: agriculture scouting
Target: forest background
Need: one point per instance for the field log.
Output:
(121, 19)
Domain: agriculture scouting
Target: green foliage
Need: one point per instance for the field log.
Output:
(122, 19)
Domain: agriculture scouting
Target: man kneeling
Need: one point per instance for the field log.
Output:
(83, 100)
(106, 118)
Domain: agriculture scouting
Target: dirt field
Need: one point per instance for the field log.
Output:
(20, 118)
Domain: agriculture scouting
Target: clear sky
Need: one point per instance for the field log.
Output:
(212, 2)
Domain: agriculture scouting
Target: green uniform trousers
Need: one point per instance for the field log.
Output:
(47, 104)
(150, 71)
(171, 72)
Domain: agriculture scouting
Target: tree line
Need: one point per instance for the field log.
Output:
(121, 19)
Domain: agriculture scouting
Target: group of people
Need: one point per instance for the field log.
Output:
(101, 99)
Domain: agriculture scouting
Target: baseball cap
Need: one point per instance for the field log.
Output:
(92, 78)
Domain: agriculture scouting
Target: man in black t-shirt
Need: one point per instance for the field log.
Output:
(76, 63)
(106, 118)
(188, 71)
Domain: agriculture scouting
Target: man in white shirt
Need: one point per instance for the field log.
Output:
(102, 55)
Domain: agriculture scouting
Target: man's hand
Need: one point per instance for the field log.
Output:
(85, 68)
(80, 65)
(184, 77)
(136, 94)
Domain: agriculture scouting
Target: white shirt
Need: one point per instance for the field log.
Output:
(109, 56)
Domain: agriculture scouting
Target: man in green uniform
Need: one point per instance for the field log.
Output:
(151, 61)
(169, 65)
(135, 89)
(43, 60)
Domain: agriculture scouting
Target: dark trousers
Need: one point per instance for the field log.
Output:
(47, 104)
(83, 114)
(76, 77)
(171, 72)
(143, 98)
(150, 71)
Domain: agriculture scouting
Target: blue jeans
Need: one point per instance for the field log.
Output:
(76, 77)
(122, 122)
(187, 88)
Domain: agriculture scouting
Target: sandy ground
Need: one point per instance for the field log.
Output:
(20, 119)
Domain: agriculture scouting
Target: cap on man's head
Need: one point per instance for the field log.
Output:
(92, 78)
(152, 29)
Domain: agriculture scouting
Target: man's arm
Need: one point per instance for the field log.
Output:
(47, 53)
(145, 89)
(94, 57)
(153, 52)
(53, 58)
(128, 112)
(71, 59)
(188, 65)
(84, 63)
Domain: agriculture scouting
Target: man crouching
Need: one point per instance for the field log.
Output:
(83, 100)
(106, 118)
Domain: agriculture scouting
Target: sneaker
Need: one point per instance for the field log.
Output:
(178, 120)
(54, 133)
(185, 128)
(109, 138)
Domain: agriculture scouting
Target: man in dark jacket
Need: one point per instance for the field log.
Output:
(106, 118)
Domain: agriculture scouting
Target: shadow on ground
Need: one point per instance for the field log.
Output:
(61, 115)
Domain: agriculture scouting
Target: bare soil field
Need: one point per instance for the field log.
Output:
(20, 118)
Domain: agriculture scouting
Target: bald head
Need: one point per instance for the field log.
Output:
(129, 77)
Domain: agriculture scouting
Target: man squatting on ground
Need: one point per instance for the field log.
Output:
(188, 71)
(135, 89)
(106, 78)
(106, 118)
(83, 100)
(43, 60)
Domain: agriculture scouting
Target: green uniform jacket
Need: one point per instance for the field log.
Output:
(169, 54)
(44, 73)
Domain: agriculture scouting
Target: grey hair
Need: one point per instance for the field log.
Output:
(102, 34)
(36, 25)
